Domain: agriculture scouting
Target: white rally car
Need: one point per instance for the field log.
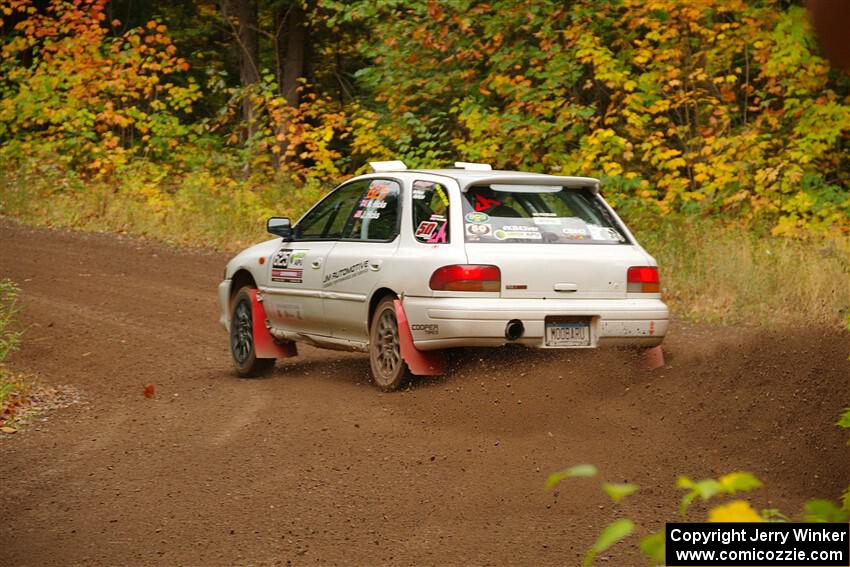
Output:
(404, 263)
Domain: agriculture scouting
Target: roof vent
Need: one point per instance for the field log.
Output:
(394, 165)
(474, 166)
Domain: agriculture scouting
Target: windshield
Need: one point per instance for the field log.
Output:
(538, 214)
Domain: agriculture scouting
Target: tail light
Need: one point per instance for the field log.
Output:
(466, 277)
(643, 279)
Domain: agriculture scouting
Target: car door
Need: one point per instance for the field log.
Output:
(357, 263)
(296, 269)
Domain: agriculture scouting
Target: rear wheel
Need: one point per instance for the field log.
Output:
(242, 350)
(389, 371)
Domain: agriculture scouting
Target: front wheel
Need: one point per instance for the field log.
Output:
(242, 349)
(389, 371)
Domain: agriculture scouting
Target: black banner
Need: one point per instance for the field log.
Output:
(760, 544)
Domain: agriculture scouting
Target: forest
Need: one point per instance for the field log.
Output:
(718, 129)
(714, 124)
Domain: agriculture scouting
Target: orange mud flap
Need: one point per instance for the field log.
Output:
(652, 358)
(420, 363)
(265, 345)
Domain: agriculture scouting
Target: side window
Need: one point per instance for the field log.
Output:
(375, 215)
(430, 212)
(328, 219)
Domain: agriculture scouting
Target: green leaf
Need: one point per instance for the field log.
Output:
(653, 547)
(708, 488)
(822, 510)
(844, 420)
(739, 482)
(774, 514)
(705, 489)
(619, 491)
(613, 532)
(579, 470)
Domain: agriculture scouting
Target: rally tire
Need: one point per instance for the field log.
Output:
(389, 371)
(242, 351)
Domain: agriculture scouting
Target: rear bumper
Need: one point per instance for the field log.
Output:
(442, 322)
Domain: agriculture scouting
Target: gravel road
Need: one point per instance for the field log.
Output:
(313, 466)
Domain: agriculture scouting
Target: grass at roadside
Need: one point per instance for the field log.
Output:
(723, 274)
(22, 396)
(196, 209)
(710, 271)
(12, 386)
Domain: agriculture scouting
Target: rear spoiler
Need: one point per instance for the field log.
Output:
(533, 179)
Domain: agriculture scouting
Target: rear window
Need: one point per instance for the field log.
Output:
(539, 215)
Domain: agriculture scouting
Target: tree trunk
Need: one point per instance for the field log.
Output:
(291, 44)
(291, 37)
(247, 39)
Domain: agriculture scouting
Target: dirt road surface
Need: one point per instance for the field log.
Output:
(313, 466)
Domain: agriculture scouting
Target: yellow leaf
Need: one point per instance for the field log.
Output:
(735, 511)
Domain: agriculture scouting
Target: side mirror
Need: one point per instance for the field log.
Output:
(280, 226)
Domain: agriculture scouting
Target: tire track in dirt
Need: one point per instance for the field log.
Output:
(313, 466)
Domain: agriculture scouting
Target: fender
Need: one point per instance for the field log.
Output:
(420, 363)
(265, 346)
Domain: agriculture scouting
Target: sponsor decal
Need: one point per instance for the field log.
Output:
(281, 258)
(517, 234)
(346, 273)
(426, 328)
(478, 229)
(441, 194)
(484, 204)
(546, 221)
(544, 214)
(367, 214)
(378, 190)
(439, 237)
(296, 259)
(615, 235)
(604, 233)
(519, 228)
(436, 217)
(372, 204)
(288, 311)
(288, 266)
(418, 194)
(287, 276)
(477, 217)
(571, 233)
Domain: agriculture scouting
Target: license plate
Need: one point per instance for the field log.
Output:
(568, 333)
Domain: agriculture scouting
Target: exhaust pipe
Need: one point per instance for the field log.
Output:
(514, 329)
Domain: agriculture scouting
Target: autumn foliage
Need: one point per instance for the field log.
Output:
(90, 98)
(713, 107)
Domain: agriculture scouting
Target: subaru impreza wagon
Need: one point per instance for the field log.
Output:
(404, 263)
